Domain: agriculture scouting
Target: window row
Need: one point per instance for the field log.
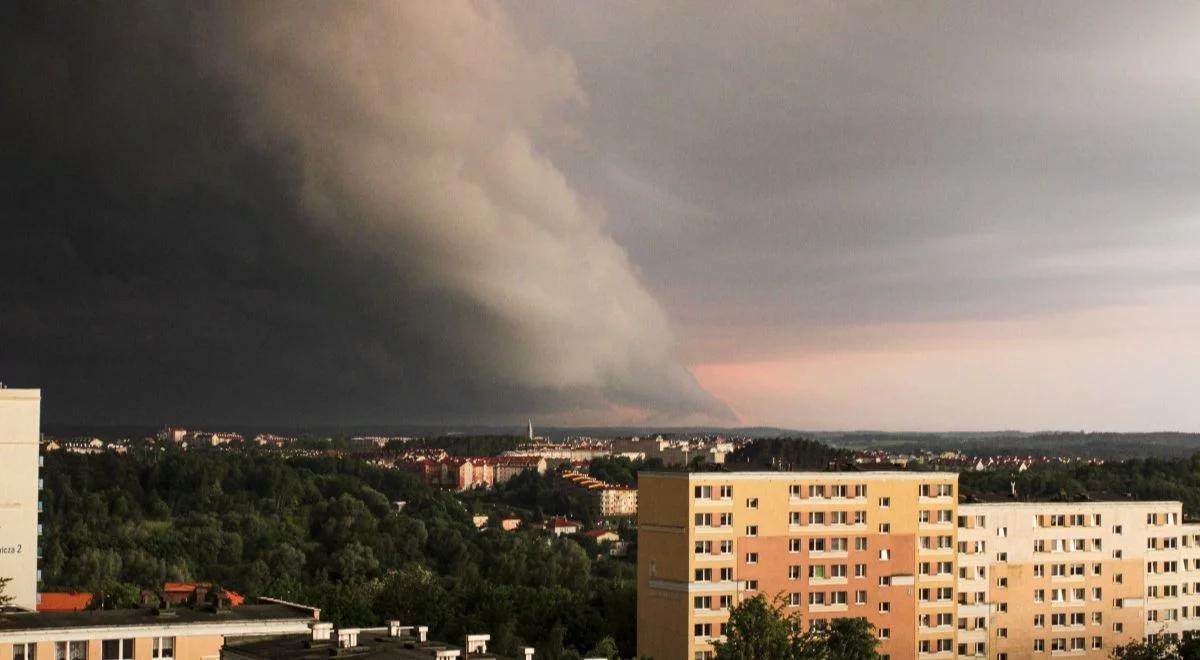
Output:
(1067, 545)
(161, 648)
(1067, 595)
(828, 491)
(1057, 644)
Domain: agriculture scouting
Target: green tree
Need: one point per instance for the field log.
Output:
(759, 629)
(1159, 648)
(605, 648)
(849, 639)
(5, 600)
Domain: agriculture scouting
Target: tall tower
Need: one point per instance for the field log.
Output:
(530, 429)
(20, 412)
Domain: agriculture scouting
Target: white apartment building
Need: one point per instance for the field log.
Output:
(1047, 579)
(20, 412)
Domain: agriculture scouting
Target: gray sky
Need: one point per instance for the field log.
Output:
(829, 199)
(843, 215)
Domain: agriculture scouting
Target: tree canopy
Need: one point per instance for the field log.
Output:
(761, 629)
(324, 531)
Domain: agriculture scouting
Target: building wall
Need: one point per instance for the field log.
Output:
(1121, 592)
(198, 647)
(881, 555)
(20, 412)
(201, 640)
(969, 581)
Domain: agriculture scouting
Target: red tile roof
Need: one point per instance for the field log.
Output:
(235, 599)
(558, 521)
(64, 601)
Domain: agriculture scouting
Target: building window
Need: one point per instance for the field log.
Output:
(71, 651)
(752, 503)
(24, 651)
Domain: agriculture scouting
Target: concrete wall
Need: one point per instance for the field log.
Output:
(20, 412)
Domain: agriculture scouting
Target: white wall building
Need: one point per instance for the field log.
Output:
(20, 419)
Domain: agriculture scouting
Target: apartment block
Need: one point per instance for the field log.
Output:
(1051, 579)
(612, 500)
(1002, 581)
(876, 545)
(20, 412)
(180, 633)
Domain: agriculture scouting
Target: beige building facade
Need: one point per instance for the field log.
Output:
(1050, 579)
(20, 412)
(824, 545)
(937, 579)
(145, 634)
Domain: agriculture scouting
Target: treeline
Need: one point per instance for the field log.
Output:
(1060, 443)
(1136, 478)
(789, 454)
(469, 445)
(324, 531)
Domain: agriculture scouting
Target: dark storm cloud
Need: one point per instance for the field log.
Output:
(788, 165)
(337, 212)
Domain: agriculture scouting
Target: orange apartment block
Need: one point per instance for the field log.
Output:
(1002, 581)
(874, 545)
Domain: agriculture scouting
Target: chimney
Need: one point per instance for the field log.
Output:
(393, 628)
(477, 643)
(527, 653)
(321, 630)
(347, 638)
(423, 633)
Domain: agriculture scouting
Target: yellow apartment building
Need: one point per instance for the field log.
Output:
(875, 545)
(1002, 581)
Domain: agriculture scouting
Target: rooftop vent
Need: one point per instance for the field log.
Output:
(321, 631)
(477, 643)
(347, 638)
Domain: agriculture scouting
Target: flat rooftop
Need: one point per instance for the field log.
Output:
(11, 622)
(373, 644)
(771, 475)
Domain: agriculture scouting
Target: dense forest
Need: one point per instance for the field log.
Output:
(1136, 478)
(324, 531)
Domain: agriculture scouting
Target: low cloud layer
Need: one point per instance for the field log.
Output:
(312, 213)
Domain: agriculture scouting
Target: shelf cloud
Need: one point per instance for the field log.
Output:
(319, 212)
